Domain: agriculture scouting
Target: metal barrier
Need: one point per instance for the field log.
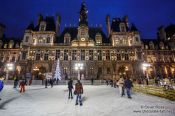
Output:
(154, 90)
(62, 82)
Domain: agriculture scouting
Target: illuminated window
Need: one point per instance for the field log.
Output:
(57, 54)
(82, 54)
(99, 55)
(38, 56)
(40, 40)
(74, 54)
(107, 55)
(24, 55)
(48, 40)
(66, 54)
(46, 56)
(91, 55)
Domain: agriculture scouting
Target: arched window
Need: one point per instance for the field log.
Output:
(98, 38)
(48, 40)
(11, 44)
(151, 45)
(122, 27)
(161, 45)
(40, 40)
(67, 38)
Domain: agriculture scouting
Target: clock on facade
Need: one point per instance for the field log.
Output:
(82, 39)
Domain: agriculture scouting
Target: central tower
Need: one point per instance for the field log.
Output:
(83, 30)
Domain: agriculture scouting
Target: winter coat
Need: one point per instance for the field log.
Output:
(22, 83)
(70, 84)
(120, 82)
(167, 81)
(128, 83)
(78, 88)
(1, 85)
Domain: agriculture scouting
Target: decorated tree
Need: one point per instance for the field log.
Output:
(57, 71)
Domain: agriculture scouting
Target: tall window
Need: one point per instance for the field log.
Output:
(57, 54)
(48, 40)
(38, 56)
(42, 27)
(108, 70)
(66, 54)
(27, 39)
(118, 57)
(46, 56)
(82, 54)
(24, 55)
(91, 55)
(99, 55)
(40, 40)
(126, 57)
(74, 54)
(13, 59)
(107, 55)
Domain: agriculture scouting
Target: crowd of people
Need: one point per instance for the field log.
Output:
(124, 84)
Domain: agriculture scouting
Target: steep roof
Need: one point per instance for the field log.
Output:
(50, 24)
(73, 31)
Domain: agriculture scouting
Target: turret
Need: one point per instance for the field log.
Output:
(108, 25)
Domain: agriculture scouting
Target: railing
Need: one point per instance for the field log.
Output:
(156, 91)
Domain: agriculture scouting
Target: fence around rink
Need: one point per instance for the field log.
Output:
(156, 91)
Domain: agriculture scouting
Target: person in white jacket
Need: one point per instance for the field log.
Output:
(120, 84)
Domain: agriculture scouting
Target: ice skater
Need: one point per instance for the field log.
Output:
(78, 91)
(121, 86)
(1, 84)
(22, 86)
(70, 87)
(128, 85)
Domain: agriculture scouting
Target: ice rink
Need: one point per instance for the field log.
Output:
(97, 101)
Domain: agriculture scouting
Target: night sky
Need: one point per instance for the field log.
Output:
(147, 15)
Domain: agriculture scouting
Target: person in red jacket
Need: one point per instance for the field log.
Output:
(22, 86)
(78, 92)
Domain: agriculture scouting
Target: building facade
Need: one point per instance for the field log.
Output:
(120, 52)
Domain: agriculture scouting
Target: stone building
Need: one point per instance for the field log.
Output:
(120, 52)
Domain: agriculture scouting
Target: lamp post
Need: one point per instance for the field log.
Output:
(144, 67)
(78, 67)
(9, 67)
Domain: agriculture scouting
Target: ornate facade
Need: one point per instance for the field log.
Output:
(120, 52)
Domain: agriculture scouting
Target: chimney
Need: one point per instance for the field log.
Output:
(40, 18)
(58, 21)
(108, 25)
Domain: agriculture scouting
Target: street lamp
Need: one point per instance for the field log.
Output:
(78, 67)
(9, 67)
(144, 67)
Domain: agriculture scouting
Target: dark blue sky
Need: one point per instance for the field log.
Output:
(147, 15)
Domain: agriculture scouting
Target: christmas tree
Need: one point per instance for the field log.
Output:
(57, 71)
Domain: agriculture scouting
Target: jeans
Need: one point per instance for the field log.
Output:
(70, 93)
(78, 99)
(121, 90)
(128, 91)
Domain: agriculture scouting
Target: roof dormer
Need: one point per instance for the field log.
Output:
(42, 26)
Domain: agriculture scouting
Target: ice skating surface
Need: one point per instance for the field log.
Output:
(97, 101)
